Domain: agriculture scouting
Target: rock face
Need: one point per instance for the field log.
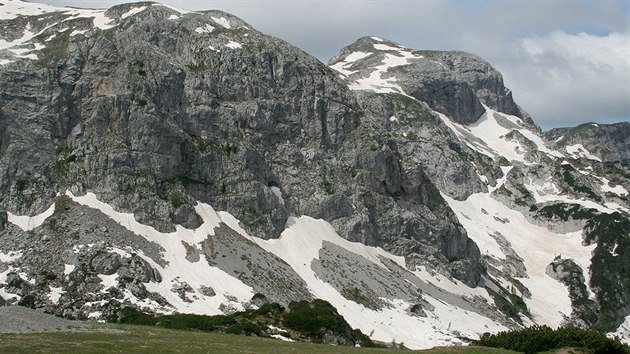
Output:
(609, 142)
(452, 83)
(159, 109)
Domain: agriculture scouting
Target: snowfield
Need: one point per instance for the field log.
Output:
(299, 245)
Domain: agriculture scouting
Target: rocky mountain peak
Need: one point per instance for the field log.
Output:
(608, 142)
(466, 81)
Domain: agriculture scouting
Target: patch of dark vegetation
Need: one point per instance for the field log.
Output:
(542, 338)
(570, 177)
(315, 321)
(610, 267)
(565, 212)
(509, 303)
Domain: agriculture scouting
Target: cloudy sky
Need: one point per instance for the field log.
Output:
(566, 61)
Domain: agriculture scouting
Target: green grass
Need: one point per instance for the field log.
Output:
(145, 339)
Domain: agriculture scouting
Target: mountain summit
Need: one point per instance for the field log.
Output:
(177, 161)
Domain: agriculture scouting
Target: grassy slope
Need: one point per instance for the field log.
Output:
(143, 339)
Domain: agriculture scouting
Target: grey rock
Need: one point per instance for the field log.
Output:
(3, 220)
(207, 291)
(106, 263)
(454, 83)
(610, 142)
(139, 269)
(259, 300)
(570, 274)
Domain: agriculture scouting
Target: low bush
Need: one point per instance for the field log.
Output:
(542, 338)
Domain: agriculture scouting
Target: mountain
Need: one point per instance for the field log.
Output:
(180, 161)
(607, 142)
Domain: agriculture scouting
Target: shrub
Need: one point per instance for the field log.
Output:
(542, 338)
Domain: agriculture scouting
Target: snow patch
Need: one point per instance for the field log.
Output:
(616, 189)
(207, 29)
(55, 294)
(68, 268)
(278, 193)
(348, 61)
(281, 337)
(234, 45)
(180, 11)
(579, 151)
(299, 245)
(385, 47)
(536, 245)
(487, 136)
(108, 281)
(173, 17)
(28, 223)
(133, 11)
(222, 21)
(623, 332)
(11, 256)
(376, 81)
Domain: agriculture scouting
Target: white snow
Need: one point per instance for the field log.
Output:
(352, 57)
(180, 270)
(277, 329)
(10, 257)
(133, 11)
(623, 332)
(542, 190)
(55, 294)
(207, 29)
(579, 151)
(222, 21)
(173, 17)
(234, 45)
(278, 193)
(3, 279)
(68, 268)
(13, 8)
(537, 245)
(501, 181)
(26, 36)
(341, 66)
(616, 189)
(299, 245)
(451, 285)
(281, 337)
(28, 223)
(180, 11)
(109, 281)
(487, 136)
(385, 47)
(77, 32)
(375, 81)
(377, 39)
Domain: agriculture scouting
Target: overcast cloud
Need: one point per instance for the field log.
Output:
(566, 61)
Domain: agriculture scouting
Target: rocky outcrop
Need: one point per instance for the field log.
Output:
(570, 274)
(609, 142)
(453, 83)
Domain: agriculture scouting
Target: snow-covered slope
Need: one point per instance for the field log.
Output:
(533, 215)
(446, 310)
